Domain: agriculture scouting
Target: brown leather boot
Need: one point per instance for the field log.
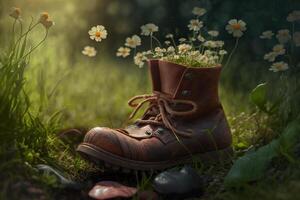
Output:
(184, 120)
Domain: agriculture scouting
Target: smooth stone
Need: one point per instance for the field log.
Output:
(172, 181)
(110, 189)
(61, 180)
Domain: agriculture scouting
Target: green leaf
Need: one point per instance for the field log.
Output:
(252, 165)
(22, 50)
(289, 139)
(259, 96)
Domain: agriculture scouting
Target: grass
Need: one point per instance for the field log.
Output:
(47, 92)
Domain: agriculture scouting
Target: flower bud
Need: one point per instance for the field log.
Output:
(15, 13)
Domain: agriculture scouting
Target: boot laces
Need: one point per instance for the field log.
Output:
(162, 106)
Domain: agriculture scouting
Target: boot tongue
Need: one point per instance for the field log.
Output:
(170, 76)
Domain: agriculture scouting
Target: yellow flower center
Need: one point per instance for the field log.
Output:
(98, 34)
(236, 26)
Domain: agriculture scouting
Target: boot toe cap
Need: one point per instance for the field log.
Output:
(105, 139)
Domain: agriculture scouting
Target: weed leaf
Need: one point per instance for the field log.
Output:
(259, 96)
(252, 166)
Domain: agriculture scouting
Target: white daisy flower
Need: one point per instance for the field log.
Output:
(133, 41)
(296, 39)
(184, 48)
(123, 52)
(171, 49)
(176, 57)
(139, 59)
(283, 36)
(98, 33)
(169, 35)
(89, 51)
(200, 38)
(208, 52)
(195, 25)
(270, 56)
(159, 51)
(149, 29)
(279, 66)
(293, 16)
(210, 44)
(267, 35)
(222, 52)
(182, 40)
(213, 33)
(279, 49)
(219, 43)
(15, 13)
(167, 42)
(194, 54)
(236, 27)
(198, 11)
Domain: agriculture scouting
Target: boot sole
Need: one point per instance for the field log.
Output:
(100, 157)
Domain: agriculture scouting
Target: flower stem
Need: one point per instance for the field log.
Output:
(233, 50)
(157, 41)
(34, 48)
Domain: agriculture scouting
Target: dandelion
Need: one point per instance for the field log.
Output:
(89, 51)
(123, 52)
(267, 35)
(236, 27)
(222, 52)
(133, 41)
(283, 36)
(139, 59)
(279, 49)
(195, 25)
(198, 11)
(149, 29)
(47, 24)
(296, 38)
(45, 21)
(44, 16)
(213, 33)
(200, 38)
(98, 33)
(184, 48)
(279, 66)
(293, 16)
(270, 56)
(15, 13)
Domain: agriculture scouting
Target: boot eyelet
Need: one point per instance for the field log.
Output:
(186, 93)
(188, 76)
(148, 133)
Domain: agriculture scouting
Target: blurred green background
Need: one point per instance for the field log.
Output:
(94, 91)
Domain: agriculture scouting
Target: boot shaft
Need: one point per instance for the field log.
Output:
(199, 85)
